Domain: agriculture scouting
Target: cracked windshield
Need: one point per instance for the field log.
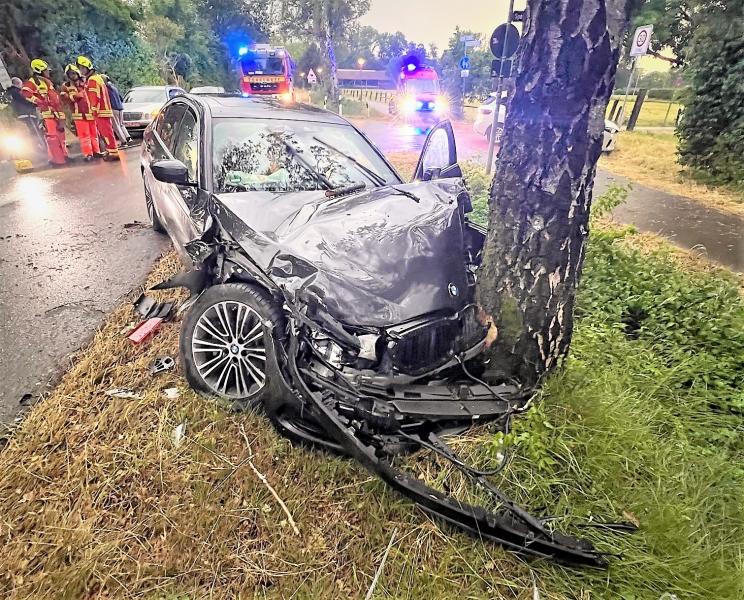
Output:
(292, 156)
(372, 300)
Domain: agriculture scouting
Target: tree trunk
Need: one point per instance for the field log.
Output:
(542, 190)
(332, 71)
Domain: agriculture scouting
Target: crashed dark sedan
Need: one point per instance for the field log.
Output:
(333, 296)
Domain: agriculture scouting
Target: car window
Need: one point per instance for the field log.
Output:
(167, 127)
(283, 156)
(186, 148)
(145, 95)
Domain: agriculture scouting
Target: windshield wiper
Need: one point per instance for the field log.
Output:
(348, 189)
(318, 175)
(373, 177)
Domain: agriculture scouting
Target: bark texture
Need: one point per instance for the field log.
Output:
(542, 190)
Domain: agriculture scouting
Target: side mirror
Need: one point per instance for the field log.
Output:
(171, 171)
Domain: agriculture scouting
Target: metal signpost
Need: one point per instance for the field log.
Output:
(639, 47)
(504, 44)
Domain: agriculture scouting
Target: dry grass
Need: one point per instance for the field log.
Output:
(651, 159)
(96, 500)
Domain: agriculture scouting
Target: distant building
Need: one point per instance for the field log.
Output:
(364, 78)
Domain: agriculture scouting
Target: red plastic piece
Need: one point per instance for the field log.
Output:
(145, 330)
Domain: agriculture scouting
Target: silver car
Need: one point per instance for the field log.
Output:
(142, 104)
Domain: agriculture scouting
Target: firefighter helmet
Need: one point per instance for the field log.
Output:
(71, 68)
(38, 66)
(84, 61)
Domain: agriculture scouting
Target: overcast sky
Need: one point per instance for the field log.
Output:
(426, 21)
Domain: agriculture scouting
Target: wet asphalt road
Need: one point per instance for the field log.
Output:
(66, 260)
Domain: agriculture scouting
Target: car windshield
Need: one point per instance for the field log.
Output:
(292, 156)
(422, 86)
(146, 95)
(254, 65)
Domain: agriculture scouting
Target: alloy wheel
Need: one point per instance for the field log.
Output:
(229, 350)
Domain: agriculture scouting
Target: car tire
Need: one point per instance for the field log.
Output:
(240, 368)
(157, 226)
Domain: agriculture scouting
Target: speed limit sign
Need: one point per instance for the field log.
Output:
(641, 40)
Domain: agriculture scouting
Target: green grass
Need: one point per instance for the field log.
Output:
(654, 113)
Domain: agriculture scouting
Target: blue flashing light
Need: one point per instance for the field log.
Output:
(243, 50)
(411, 67)
(419, 105)
(245, 94)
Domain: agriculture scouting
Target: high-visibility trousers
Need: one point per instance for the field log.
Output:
(106, 131)
(87, 133)
(55, 142)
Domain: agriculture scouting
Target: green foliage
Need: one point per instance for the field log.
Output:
(712, 127)
(643, 423)
(478, 183)
(478, 83)
(614, 196)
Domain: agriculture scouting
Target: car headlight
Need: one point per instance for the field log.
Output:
(409, 104)
(441, 105)
(13, 144)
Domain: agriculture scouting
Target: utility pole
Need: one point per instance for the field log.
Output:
(499, 87)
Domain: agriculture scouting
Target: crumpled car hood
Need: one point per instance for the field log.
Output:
(375, 258)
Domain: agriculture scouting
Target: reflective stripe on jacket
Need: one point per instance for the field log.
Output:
(98, 97)
(41, 92)
(74, 94)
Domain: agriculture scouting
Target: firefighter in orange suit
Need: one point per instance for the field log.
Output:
(73, 92)
(100, 105)
(40, 90)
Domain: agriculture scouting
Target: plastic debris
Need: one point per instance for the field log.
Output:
(166, 363)
(178, 434)
(123, 393)
(145, 330)
(171, 393)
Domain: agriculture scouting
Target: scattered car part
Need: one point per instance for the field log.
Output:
(171, 393)
(123, 393)
(177, 434)
(145, 330)
(150, 308)
(161, 365)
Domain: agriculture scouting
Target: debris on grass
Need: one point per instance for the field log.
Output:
(145, 330)
(123, 393)
(177, 435)
(162, 364)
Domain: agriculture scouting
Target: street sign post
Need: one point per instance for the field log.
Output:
(638, 48)
(504, 43)
(311, 77)
(465, 63)
(641, 40)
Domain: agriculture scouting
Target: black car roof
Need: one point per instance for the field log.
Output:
(234, 106)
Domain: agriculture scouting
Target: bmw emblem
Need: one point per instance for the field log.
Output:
(452, 289)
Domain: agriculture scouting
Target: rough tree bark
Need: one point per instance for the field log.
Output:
(542, 190)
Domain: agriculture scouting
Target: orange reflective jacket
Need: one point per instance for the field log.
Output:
(74, 95)
(98, 96)
(41, 92)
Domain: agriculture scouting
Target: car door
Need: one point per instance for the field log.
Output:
(188, 202)
(159, 145)
(438, 158)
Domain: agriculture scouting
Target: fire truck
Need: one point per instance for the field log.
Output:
(419, 100)
(266, 71)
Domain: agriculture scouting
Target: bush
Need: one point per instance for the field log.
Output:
(712, 127)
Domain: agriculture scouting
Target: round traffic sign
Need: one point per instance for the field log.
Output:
(504, 41)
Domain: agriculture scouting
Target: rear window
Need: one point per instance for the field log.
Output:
(146, 95)
(290, 156)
